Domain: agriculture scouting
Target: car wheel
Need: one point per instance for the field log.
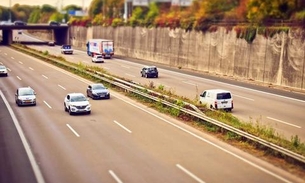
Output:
(89, 112)
(70, 112)
(66, 110)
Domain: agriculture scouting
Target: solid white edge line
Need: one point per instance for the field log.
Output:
(122, 126)
(26, 145)
(189, 83)
(75, 133)
(115, 176)
(190, 173)
(234, 95)
(130, 75)
(18, 78)
(211, 143)
(47, 104)
(286, 123)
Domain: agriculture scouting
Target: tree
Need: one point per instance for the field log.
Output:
(260, 10)
(95, 7)
(34, 16)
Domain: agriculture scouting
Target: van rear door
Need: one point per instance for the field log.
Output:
(224, 100)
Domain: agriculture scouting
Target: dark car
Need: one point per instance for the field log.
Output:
(54, 23)
(149, 71)
(19, 22)
(51, 43)
(98, 91)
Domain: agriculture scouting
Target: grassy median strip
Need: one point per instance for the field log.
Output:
(256, 128)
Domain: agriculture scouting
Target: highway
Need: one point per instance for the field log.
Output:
(281, 110)
(121, 141)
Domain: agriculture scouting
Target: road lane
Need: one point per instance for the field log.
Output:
(15, 165)
(104, 151)
(251, 105)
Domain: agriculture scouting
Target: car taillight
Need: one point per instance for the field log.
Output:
(232, 104)
(215, 104)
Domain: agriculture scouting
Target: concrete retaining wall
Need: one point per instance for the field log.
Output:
(279, 60)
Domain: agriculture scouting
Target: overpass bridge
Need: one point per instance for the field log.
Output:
(60, 33)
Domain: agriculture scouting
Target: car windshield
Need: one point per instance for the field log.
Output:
(67, 46)
(98, 87)
(152, 69)
(78, 98)
(24, 92)
(2, 67)
(223, 95)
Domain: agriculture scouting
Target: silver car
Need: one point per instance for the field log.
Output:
(25, 96)
(3, 70)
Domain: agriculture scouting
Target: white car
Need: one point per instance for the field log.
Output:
(77, 103)
(97, 58)
(25, 96)
(217, 99)
(3, 70)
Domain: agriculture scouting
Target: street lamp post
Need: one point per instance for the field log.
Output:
(10, 12)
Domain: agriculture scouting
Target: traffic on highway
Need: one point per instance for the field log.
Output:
(125, 141)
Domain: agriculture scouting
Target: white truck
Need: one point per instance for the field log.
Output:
(102, 47)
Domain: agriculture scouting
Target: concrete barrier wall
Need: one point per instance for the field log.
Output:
(279, 60)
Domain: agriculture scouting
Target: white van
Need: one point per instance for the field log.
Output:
(217, 99)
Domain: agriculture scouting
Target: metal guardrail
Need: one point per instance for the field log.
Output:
(135, 88)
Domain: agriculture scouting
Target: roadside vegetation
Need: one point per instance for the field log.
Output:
(254, 127)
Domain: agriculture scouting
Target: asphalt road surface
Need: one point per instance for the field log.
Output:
(281, 110)
(121, 141)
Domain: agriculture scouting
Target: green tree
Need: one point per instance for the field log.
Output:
(72, 7)
(153, 12)
(34, 16)
(95, 7)
(48, 9)
(58, 17)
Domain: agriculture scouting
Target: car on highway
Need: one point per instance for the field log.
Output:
(98, 91)
(54, 23)
(77, 103)
(149, 71)
(25, 96)
(217, 99)
(97, 58)
(3, 70)
(66, 49)
(51, 43)
(20, 22)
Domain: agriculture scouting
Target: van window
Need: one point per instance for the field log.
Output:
(223, 96)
